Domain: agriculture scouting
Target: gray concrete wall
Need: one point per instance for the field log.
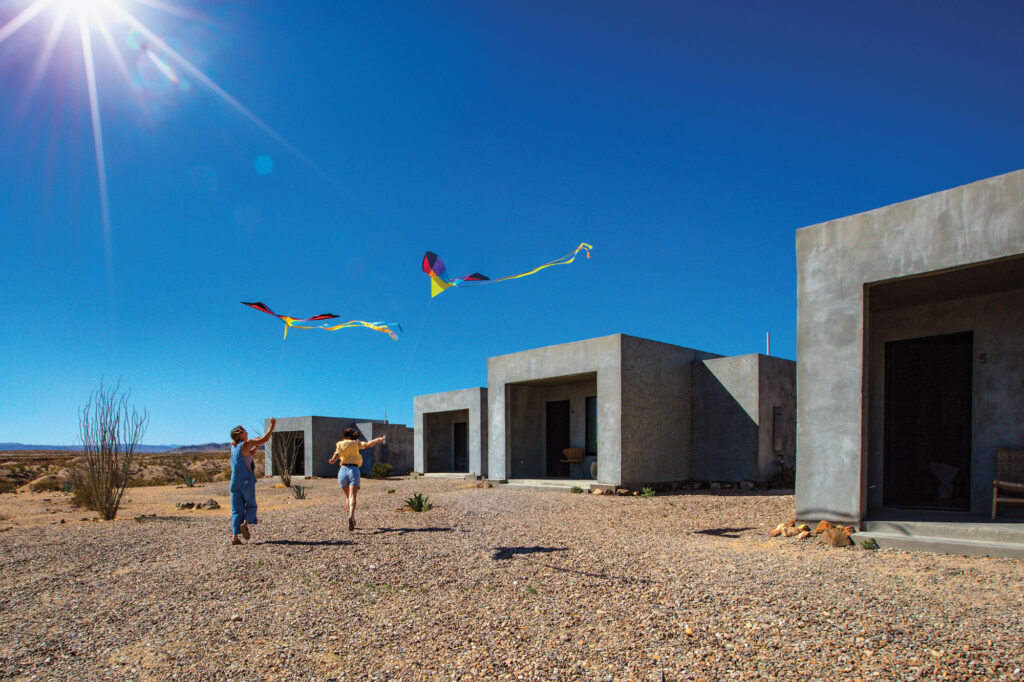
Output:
(602, 356)
(656, 411)
(320, 435)
(777, 381)
(970, 224)
(997, 321)
(433, 416)
(726, 418)
(529, 424)
(302, 424)
(396, 451)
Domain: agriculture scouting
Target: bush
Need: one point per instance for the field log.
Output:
(46, 484)
(391, 490)
(381, 470)
(299, 492)
(576, 489)
(189, 480)
(419, 503)
(648, 492)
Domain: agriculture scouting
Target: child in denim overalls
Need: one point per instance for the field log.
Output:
(243, 480)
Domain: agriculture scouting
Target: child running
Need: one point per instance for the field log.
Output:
(347, 454)
(243, 480)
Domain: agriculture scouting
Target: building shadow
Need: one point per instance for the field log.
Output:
(502, 553)
(722, 532)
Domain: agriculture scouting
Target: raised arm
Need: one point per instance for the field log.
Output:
(370, 443)
(255, 443)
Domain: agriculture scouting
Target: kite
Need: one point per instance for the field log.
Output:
(439, 280)
(290, 322)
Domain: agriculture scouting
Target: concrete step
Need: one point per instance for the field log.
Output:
(974, 529)
(942, 545)
(564, 484)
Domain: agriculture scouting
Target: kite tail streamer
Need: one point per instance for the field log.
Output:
(434, 267)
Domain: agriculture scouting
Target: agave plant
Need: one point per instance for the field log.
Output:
(189, 480)
(418, 502)
(299, 492)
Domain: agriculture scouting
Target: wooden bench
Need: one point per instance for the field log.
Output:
(1008, 486)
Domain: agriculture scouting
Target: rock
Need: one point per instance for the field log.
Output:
(747, 485)
(212, 504)
(484, 484)
(823, 526)
(802, 527)
(596, 491)
(790, 531)
(185, 505)
(804, 535)
(715, 485)
(199, 505)
(835, 537)
(791, 522)
(779, 529)
(235, 618)
(849, 530)
(622, 491)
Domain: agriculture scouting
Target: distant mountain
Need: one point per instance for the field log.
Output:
(205, 447)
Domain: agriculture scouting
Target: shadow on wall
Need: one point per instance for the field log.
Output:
(725, 437)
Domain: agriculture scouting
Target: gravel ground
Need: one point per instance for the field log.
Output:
(492, 583)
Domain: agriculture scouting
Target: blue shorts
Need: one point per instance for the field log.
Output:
(348, 475)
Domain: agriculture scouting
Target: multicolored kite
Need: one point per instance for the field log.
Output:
(290, 322)
(439, 280)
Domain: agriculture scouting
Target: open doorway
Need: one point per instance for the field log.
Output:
(928, 393)
(558, 438)
(460, 446)
(289, 452)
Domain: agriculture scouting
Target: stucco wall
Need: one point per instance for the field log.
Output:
(777, 381)
(430, 421)
(970, 224)
(726, 415)
(997, 321)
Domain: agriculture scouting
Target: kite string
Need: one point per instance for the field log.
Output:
(419, 337)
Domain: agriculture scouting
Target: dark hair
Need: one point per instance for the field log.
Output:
(236, 434)
(350, 434)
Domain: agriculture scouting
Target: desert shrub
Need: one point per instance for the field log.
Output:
(381, 470)
(648, 492)
(8, 486)
(189, 480)
(299, 492)
(148, 482)
(576, 490)
(391, 490)
(46, 485)
(110, 429)
(284, 451)
(419, 503)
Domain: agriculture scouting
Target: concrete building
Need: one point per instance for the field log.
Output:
(316, 437)
(910, 343)
(451, 432)
(642, 412)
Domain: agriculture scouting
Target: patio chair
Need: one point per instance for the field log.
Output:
(573, 456)
(1008, 486)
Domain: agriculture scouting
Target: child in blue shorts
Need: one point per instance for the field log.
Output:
(243, 480)
(347, 454)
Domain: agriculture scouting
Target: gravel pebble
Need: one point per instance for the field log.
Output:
(502, 583)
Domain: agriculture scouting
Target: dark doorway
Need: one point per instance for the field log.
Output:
(289, 447)
(460, 447)
(928, 391)
(557, 438)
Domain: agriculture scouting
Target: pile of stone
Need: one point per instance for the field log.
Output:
(828, 533)
(209, 504)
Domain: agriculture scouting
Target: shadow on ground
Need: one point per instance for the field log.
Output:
(403, 531)
(306, 543)
(601, 576)
(501, 553)
(722, 532)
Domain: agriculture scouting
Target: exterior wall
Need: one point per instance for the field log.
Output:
(509, 402)
(656, 411)
(529, 423)
(970, 224)
(320, 434)
(997, 321)
(726, 415)
(777, 381)
(433, 416)
(397, 451)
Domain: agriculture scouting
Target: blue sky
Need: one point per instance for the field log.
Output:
(686, 142)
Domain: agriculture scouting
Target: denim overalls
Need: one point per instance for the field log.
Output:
(243, 491)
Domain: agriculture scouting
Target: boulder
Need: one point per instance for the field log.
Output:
(823, 526)
(185, 505)
(835, 537)
(779, 529)
(804, 534)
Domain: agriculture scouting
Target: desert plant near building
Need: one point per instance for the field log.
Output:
(381, 470)
(110, 429)
(299, 492)
(284, 449)
(418, 503)
(576, 490)
(648, 492)
(189, 480)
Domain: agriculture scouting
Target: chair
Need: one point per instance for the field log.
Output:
(573, 456)
(1008, 486)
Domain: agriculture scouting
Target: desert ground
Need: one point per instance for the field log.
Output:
(491, 583)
